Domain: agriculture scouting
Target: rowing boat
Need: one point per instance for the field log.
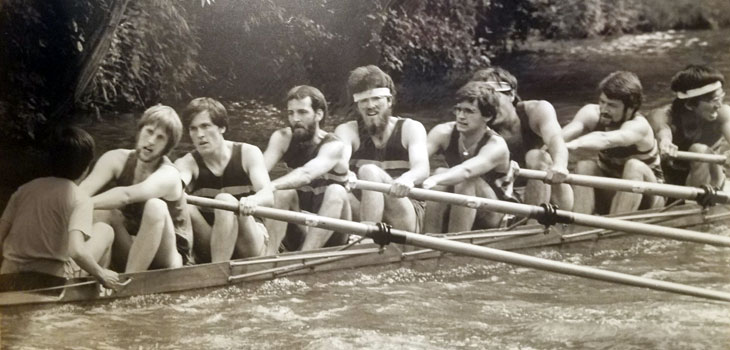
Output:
(354, 255)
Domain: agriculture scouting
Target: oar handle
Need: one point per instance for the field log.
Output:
(647, 188)
(455, 247)
(700, 157)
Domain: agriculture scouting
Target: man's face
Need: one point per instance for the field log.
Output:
(468, 117)
(151, 143)
(708, 108)
(206, 136)
(612, 111)
(302, 118)
(375, 112)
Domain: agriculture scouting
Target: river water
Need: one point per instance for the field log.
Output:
(465, 303)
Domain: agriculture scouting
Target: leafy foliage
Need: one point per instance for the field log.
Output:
(152, 58)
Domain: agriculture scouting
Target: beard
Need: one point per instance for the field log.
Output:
(378, 124)
(302, 133)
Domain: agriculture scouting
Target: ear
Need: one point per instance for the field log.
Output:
(318, 115)
(223, 130)
(390, 101)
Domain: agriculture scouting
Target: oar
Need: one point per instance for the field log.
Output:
(383, 235)
(700, 157)
(648, 188)
(562, 216)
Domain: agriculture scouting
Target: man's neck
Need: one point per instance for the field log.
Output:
(382, 137)
(471, 137)
(219, 156)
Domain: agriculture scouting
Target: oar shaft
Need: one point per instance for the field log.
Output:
(536, 212)
(647, 188)
(700, 157)
(470, 250)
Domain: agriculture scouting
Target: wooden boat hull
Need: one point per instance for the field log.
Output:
(360, 255)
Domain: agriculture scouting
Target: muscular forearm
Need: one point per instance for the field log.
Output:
(591, 142)
(559, 154)
(414, 176)
(112, 199)
(293, 180)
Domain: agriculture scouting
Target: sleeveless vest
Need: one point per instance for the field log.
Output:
(500, 182)
(393, 158)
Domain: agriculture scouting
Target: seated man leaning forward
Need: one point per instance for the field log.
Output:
(319, 171)
(147, 206)
(48, 221)
(478, 161)
(533, 136)
(384, 148)
(698, 121)
(228, 171)
(625, 144)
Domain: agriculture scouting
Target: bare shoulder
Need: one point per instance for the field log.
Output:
(247, 148)
(186, 161)
(412, 125)
(533, 107)
(659, 113)
(442, 130)
(724, 114)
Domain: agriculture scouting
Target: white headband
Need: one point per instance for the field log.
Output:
(499, 86)
(377, 92)
(683, 95)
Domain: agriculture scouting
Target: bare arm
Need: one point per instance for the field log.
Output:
(542, 115)
(724, 117)
(631, 132)
(585, 121)
(106, 169)
(347, 132)
(327, 158)
(187, 167)
(493, 154)
(659, 121)
(415, 139)
(278, 144)
(6, 222)
(163, 183)
(438, 138)
(253, 163)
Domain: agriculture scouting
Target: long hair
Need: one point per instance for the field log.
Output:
(167, 118)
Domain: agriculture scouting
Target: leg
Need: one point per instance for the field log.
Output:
(122, 239)
(435, 211)
(251, 238)
(153, 240)
(201, 235)
(701, 173)
(462, 218)
(536, 191)
(626, 202)
(334, 205)
(224, 232)
(585, 197)
(372, 203)
(100, 243)
(286, 200)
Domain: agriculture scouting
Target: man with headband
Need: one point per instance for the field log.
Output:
(478, 161)
(533, 136)
(384, 148)
(696, 121)
(625, 144)
(318, 172)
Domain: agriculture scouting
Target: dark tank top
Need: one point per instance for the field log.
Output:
(501, 182)
(177, 208)
(393, 158)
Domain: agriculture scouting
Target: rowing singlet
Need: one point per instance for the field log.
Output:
(500, 182)
(234, 180)
(612, 160)
(310, 196)
(178, 210)
(393, 158)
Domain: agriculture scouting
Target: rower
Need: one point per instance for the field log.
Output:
(533, 136)
(48, 221)
(696, 121)
(146, 207)
(384, 148)
(624, 142)
(478, 161)
(318, 172)
(225, 170)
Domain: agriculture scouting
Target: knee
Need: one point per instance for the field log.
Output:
(284, 197)
(586, 167)
(699, 148)
(104, 232)
(335, 192)
(634, 167)
(466, 187)
(440, 170)
(226, 197)
(538, 159)
(369, 172)
(155, 208)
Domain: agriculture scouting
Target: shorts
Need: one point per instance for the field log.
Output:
(28, 280)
